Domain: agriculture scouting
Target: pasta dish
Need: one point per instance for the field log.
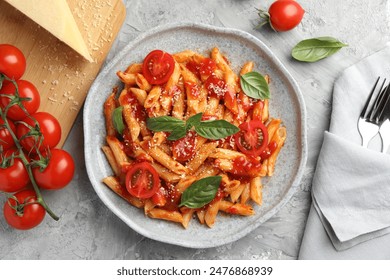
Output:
(188, 137)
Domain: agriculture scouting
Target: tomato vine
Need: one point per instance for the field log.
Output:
(17, 101)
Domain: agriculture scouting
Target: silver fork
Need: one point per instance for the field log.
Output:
(369, 120)
(384, 129)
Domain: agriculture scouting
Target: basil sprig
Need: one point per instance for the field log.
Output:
(117, 119)
(254, 85)
(164, 123)
(312, 50)
(201, 192)
(215, 129)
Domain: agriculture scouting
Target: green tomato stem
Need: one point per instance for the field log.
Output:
(28, 167)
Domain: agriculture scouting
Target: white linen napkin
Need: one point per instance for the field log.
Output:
(350, 215)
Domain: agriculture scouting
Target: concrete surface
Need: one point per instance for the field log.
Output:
(88, 230)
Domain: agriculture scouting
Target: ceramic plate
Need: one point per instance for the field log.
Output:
(286, 103)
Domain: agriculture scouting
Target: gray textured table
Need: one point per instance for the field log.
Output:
(88, 230)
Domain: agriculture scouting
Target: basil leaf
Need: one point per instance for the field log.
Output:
(254, 85)
(201, 192)
(311, 50)
(177, 133)
(117, 119)
(217, 129)
(164, 123)
(194, 121)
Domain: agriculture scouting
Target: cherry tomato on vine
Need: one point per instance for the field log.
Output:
(49, 127)
(142, 180)
(283, 15)
(26, 90)
(13, 174)
(12, 61)
(24, 213)
(58, 172)
(252, 139)
(157, 67)
(6, 140)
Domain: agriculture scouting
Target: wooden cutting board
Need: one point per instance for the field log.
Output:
(61, 75)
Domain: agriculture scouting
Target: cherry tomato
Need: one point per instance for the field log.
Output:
(49, 127)
(6, 140)
(59, 171)
(26, 216)
(13, 174)
(252, 139)
(157, 67)
(12, 61)
(26, 90)
(284, 15)
(142, 180)
(184, 148)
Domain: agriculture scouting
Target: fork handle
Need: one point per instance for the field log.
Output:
(385, 145)
(384, 132)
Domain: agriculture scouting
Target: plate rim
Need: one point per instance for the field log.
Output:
(280, 67)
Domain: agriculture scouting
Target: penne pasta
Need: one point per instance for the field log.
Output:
(256, 190)
(236, 208)
(172, 216)
(279, 138)
(109, 107)
(127, 78)
(111, 160)
(115, 186)
(160, 173)
(211, 213)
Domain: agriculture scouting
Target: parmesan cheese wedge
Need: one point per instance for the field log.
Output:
(56, 17)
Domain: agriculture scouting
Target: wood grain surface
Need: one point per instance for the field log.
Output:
(62, 76)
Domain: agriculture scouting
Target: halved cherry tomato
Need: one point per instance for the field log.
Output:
(252, 138)
(12, 61)
(27, 216)
(26, 90)
(184, 148)
(6, 140)
(157, 67)
(142, 180)
(13, 173)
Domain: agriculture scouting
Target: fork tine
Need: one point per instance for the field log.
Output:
(385, 106)
(363, 113)
(379, 104)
